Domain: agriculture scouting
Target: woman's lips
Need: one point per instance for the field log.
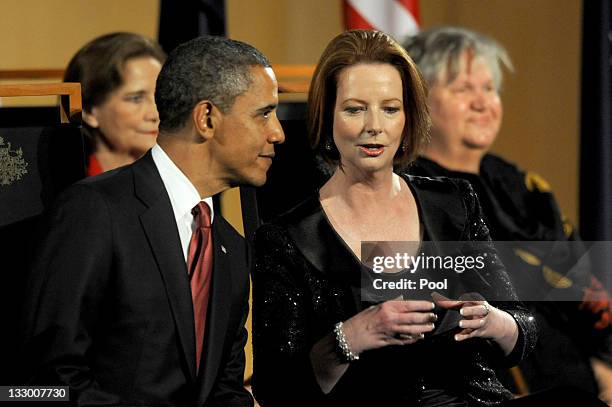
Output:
(372, 150)
(150, 133)
(481, 121)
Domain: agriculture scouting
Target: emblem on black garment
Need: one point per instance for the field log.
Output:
(12, 165)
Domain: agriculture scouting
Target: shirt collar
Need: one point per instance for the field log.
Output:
(183, 194)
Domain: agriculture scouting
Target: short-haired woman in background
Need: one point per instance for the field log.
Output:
(463, 70)
(117, 73)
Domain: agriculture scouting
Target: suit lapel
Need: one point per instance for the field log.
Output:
(219, 307)
(441, 211)
(320, 244)
(161, 230)
(325, 250)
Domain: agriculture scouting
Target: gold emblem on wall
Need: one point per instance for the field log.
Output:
(12, 165)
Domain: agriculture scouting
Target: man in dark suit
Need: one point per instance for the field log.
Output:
(111, 313)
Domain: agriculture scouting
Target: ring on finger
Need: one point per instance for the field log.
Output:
(487, 309)
(404, 336)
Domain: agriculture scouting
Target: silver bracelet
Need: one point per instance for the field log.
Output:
(342, 347)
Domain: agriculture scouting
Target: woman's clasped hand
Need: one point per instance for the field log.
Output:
(394, 322)
(483, 320)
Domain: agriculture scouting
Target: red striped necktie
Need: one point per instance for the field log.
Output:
(199, 266)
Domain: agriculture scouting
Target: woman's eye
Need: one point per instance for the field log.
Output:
(134, 98)
(391, 110)
(353, 109)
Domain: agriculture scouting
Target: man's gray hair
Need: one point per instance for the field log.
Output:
(438, 51)
(205, 68)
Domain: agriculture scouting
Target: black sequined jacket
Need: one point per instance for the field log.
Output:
(304, 282)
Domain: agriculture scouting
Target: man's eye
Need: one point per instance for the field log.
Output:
(266, 115)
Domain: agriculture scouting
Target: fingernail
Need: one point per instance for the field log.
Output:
(461, 311)
(433, 326)
(422, 336)
(460, 324)
(457, 338)
(434, 317)
(433, 305)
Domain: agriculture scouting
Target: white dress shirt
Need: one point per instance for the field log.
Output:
(183, 195)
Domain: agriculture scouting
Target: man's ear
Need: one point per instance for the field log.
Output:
(206, 118)
(91, 118)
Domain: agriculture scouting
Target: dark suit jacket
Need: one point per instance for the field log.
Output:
(110, 311)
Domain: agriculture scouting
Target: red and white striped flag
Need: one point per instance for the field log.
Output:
(398, 18)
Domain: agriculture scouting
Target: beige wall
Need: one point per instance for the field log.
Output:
(46, 33)
(287, 31)
(540, 129)
(541, 100)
